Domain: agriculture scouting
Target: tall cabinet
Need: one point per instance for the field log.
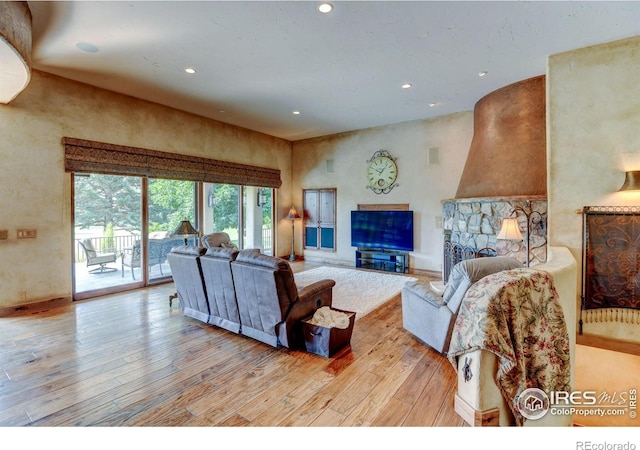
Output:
(319, 219)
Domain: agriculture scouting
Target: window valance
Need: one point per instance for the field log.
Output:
(98, 157)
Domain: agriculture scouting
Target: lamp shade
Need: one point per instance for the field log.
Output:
(293, 214)
(631, 181)
(510, 230)
(185, 228)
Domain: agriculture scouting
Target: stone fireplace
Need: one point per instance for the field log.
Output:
(505, 169)
(471, 225)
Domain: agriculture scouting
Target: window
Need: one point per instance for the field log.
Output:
(170, 202)
(243, 212)
(129, 200)
(320, 219)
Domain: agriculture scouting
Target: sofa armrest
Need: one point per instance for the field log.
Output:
(310, 298)
(318, 287)
(420, 290)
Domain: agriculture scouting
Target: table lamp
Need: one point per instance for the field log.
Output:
(293, 214)
(185, 229)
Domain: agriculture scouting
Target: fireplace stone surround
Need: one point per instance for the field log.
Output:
(474, 223)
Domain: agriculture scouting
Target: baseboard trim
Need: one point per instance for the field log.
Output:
(605, 343)
(487, 418)
(36, 307)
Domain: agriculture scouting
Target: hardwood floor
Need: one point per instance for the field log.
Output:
(128, 360)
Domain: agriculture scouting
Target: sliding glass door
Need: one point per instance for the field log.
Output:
(222, 211)
(121, 242)
(243, 212)
(125, 226)
(170, 202)
(107, 217)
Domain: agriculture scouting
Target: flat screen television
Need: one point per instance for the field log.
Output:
(382, 230)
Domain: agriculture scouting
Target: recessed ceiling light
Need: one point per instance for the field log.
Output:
(432, 104)
(406, 86)
(325, 7)
(87, 47)
(190, 70)
(296, 113)
(483, 73)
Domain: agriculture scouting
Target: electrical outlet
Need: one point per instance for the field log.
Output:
(4, 235)
(23, 296)
(24, 233)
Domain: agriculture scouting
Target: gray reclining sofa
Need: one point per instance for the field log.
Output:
(246, 292)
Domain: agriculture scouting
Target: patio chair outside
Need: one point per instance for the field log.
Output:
(95, 258)
(132, 258)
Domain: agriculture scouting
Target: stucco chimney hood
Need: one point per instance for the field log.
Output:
(507, 157)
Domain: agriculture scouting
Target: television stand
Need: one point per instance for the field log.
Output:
(385, 260)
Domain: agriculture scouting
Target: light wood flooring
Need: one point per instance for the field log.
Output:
(128, 360)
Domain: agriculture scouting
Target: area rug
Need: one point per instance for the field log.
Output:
(360, 291)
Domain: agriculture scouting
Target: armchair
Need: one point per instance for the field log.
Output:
(158, 250)
(219, 239)
(131, 258)
(430, 316)
(269, 302)
(95, 258)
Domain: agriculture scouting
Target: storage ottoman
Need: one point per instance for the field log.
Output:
(325, 341)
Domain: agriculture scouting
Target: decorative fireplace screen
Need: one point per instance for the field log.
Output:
(454, 253)
(610, 264)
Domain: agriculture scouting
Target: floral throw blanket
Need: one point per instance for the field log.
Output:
(515, 314)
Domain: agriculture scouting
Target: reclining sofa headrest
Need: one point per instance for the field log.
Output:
(229, 254)
(192, 250)
(260, 259)
(218, 239)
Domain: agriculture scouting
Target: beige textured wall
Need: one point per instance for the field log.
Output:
(421, 185)
(35, 191)
(593, 108)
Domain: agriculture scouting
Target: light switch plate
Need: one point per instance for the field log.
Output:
(24, 233)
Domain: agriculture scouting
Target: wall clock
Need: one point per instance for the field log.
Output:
(382, 172)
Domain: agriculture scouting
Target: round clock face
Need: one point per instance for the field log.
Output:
(382, 172)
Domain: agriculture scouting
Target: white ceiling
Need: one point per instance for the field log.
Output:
(257, 62)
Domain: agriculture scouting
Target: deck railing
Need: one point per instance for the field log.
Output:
(117, 244)
(266, 239)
